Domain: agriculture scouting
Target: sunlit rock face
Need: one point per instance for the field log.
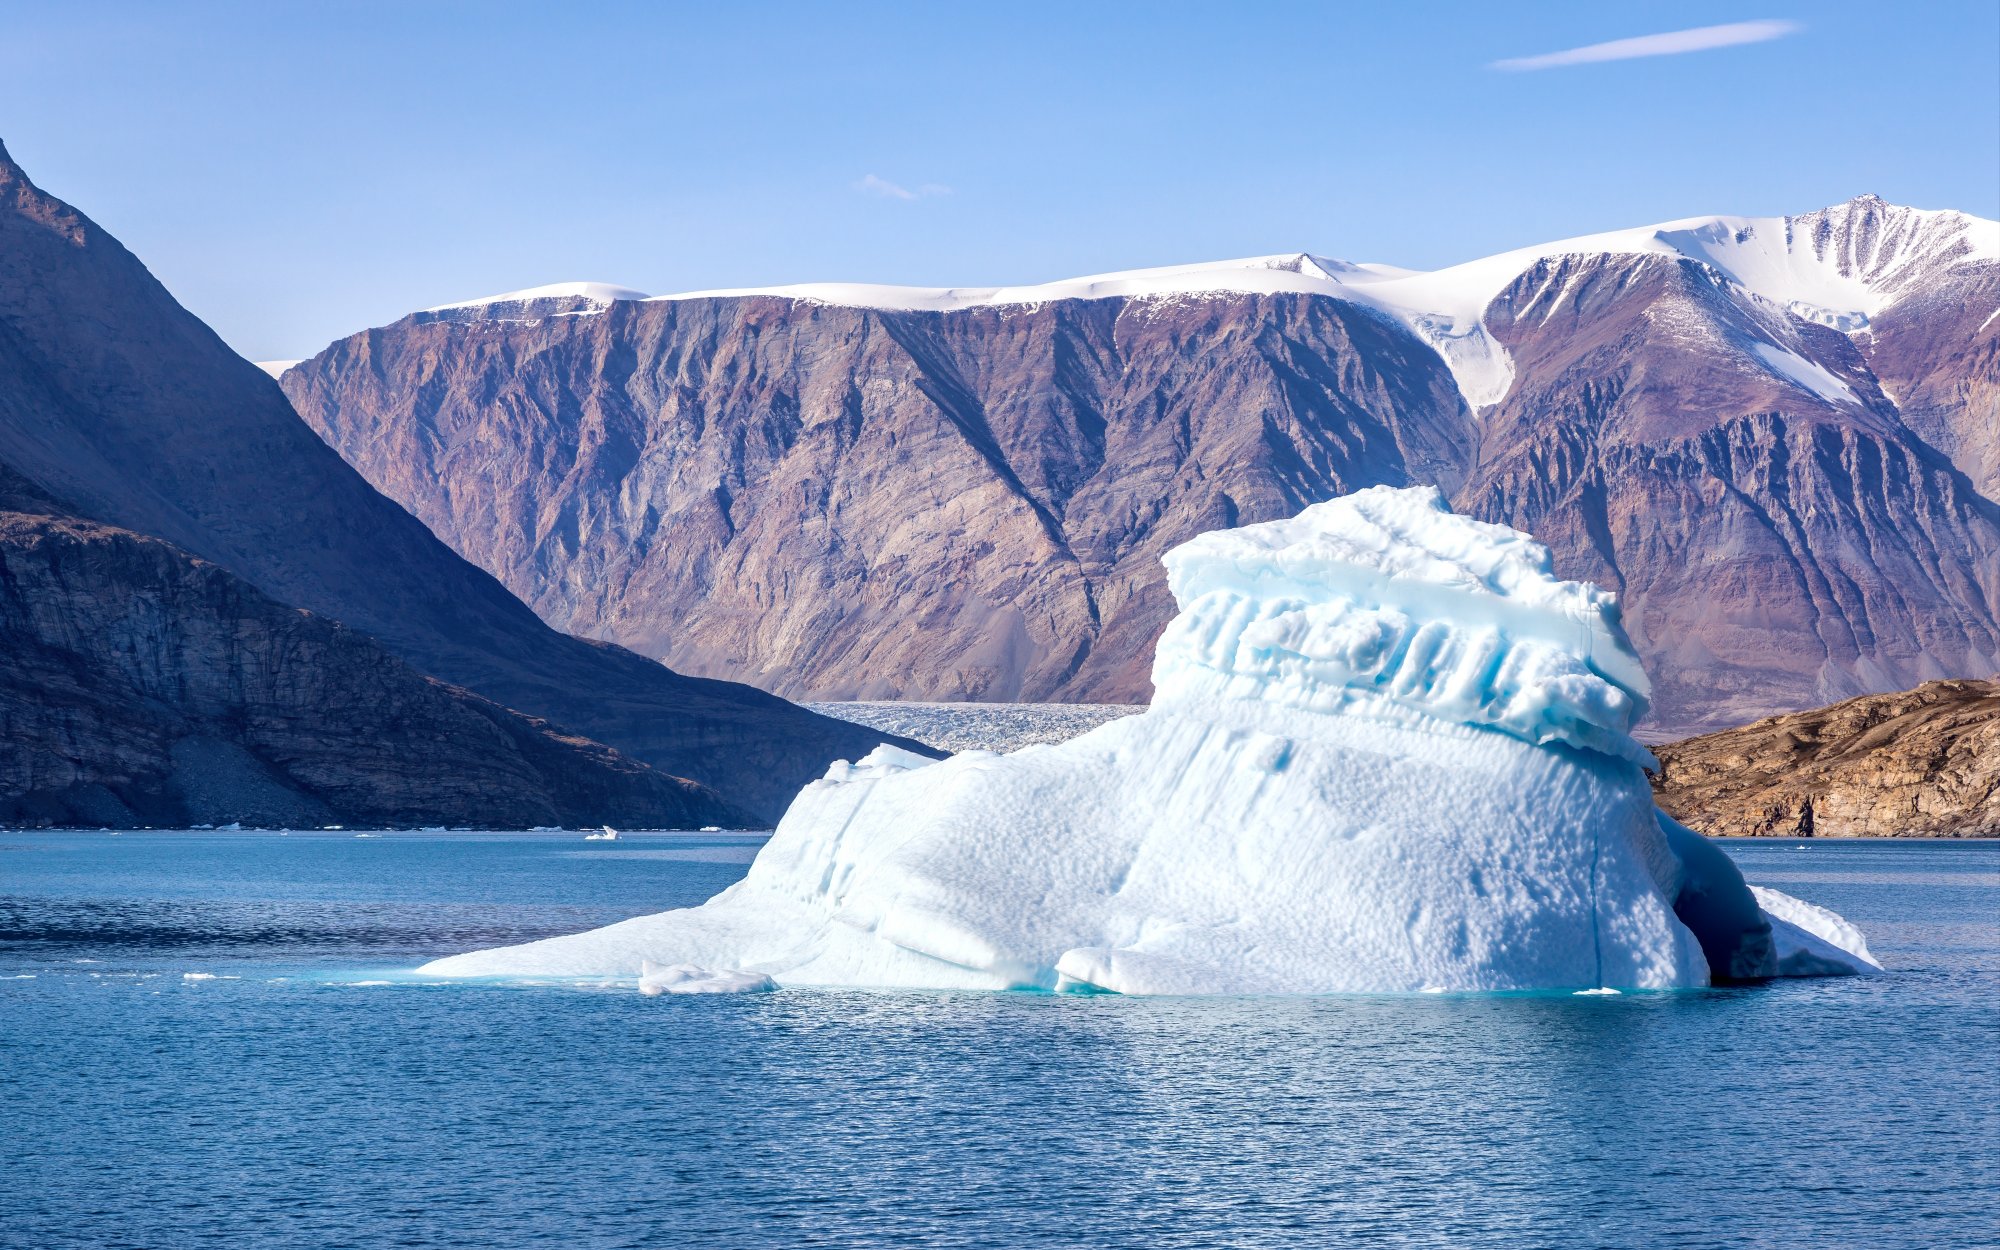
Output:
(1774, 438)
(1389, 751)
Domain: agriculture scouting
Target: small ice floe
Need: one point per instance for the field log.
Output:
(197, 976)
(1811, 941)
(20, 976)
(234, 826)
(609, 835)
(688, 979)
(711, 828)
(546, 829)
(365, 984)
(1602, 991)
(367, 835)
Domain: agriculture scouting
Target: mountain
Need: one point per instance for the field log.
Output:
(143, 686)
(1922, 762)
(160, 452)
(1774, 436)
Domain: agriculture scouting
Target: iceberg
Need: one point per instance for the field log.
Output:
(1388, 751)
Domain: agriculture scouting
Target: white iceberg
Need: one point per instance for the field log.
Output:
(1388, 751)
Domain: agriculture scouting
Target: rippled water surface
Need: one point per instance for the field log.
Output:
(213, 1039)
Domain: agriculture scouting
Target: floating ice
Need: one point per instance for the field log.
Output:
(688, 979)
(1389, 751)
(1810, 940)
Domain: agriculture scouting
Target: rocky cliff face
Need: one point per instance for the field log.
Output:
(854, 503)
(1771, 436)
(116, 401)
(144, 686)
(1775, 541)
(1923, 762)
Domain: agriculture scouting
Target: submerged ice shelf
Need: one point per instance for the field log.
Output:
(1388, 751)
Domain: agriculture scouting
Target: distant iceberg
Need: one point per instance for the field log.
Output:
(1388, 751)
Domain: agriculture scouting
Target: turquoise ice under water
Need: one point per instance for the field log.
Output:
(295, 1100)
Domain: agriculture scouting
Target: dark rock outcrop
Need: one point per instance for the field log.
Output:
(118, 402)
(144, 686)
(1920, 763)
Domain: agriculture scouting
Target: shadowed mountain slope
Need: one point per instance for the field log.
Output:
(143, 686)
(118, 402)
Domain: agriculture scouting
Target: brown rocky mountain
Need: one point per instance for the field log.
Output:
(871, 492)
(854, 503)
(1773, 546)
(1922, 762)
(123, 406)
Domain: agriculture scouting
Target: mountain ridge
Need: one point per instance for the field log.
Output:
(1870, 239)
(1006, 466)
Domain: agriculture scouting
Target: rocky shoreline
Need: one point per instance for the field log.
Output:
(1918, 763)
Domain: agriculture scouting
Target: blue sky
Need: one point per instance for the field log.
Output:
(295, 172)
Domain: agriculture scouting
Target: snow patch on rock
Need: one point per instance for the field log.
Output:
(1807, 376)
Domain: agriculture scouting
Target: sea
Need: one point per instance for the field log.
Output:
(219, 1039)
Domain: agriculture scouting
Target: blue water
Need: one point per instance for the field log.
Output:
(286, 1103)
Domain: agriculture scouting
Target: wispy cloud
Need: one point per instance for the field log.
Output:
(874, 185)
(1671, 43)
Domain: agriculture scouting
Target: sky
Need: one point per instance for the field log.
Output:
(297, 172)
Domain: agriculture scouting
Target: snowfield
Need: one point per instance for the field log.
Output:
(1388, 751)
(1838, 266)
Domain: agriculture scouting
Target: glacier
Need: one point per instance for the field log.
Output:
(1389, 751)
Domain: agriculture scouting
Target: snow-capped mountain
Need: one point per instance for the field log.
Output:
(1838, 267)
(1775, 435)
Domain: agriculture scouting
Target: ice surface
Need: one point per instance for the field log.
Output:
(954, 727)
(688, 979)
(1389, 751)
(1812, 941)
